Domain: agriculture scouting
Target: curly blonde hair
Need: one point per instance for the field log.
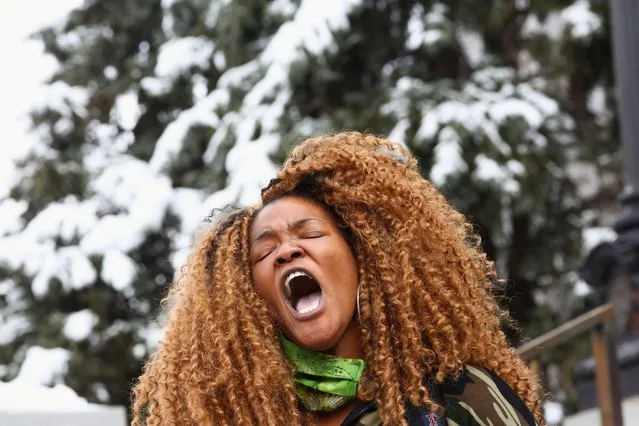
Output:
(426, 306)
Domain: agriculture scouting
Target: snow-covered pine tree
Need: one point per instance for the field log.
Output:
(163, 110)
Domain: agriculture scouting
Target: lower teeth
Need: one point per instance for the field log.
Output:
(308, 303)
(308, 309)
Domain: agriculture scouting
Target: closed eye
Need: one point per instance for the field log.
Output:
(265, 255)
(310, 235)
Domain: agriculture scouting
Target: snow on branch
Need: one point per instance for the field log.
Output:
(180, 55)
(578, 21)
(482, 107)
(66, 100)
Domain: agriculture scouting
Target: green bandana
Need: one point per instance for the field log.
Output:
(323, 382)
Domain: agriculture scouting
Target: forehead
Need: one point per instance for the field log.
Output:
(287, 210)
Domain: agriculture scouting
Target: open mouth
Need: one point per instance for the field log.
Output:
(302, 292)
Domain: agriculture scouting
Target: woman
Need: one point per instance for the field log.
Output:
(355, 294)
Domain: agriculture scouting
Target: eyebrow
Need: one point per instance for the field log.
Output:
(295, 225)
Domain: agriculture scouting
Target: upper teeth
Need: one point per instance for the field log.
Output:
(292, 275)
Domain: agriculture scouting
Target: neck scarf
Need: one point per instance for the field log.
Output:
(323, 382)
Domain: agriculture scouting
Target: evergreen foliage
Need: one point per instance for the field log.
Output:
(164, 109)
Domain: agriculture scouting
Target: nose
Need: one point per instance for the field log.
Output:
(288, 253)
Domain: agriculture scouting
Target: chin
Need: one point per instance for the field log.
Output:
(317, 345)
(314, 339)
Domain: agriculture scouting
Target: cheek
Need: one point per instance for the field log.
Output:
(262, 283)
(346, 267)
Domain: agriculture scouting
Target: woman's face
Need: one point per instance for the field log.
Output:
(304, 269)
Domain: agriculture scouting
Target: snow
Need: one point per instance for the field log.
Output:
(10, 215)
(582, 21)
(66, 220)
(443, 113)
(65, 99)
(473, 114)
(489, 170)
(167, 18)
(170, 143)
(543, 103)
(578, 19)
(101, 392)
(118, 269)
(267, 96)
(238, 76)
(178, 56)
(597, 105)
(529, 66)
(188, 206)
(43, 366)
(473, 46)
(143, 197)
(20, 83)
(16, 252)
(200, 87)
(479, 108)
(422, 28)
(213, 12)
(152, 336)
(131, 198)
(515, 167)
(155, 86)
(12, 322)
(509, 108)
(139, 351)
(219, 60)
(448, 157)
(586, 177)
(113, 232)
(581, 288)
(111, 72)
(72, 41)
(68, 264)
(311, 29)
(437, 14)
(597, 100)
(594, 236)
(127, 110)
(285, 8)
(490, 78)
(245, 188)
(398, 134)
(553, 413)
(79, 325)
(532, 26)
(17, 397)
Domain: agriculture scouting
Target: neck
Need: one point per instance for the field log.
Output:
(349, 346)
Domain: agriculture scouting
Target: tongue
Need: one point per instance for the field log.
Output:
(308, 303)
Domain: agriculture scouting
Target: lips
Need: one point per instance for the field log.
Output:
(302, 292)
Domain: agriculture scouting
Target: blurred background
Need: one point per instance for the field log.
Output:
(123, 123)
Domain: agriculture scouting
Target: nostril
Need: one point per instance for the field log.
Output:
(287, 256)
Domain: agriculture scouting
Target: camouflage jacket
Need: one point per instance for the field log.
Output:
(477, 398)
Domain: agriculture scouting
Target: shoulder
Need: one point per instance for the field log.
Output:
(481, 397)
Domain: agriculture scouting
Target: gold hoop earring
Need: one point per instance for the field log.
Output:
(359, 317)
